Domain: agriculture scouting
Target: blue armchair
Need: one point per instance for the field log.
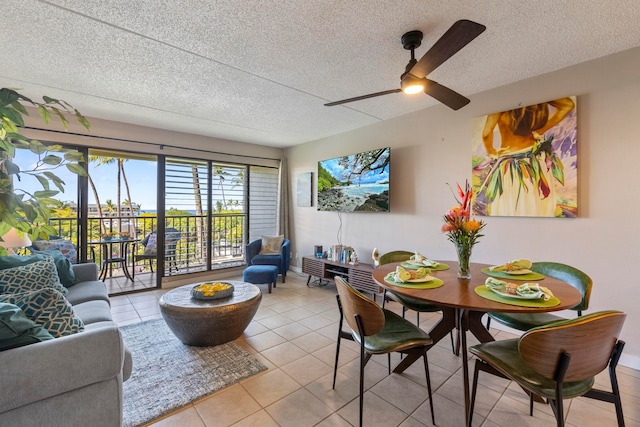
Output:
(281, 261)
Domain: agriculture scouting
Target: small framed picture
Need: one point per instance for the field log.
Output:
(303, 190)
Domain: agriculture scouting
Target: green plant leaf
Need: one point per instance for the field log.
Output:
(52, 160)
(44, 113)
(63, 119)
(43, 181)
(6, 146)
(77, 169)
(11, 114)
(19, 107)
(82, 119)
(55, 179)
(74, 156)
(7, 96)
(37, 147)
(10, 167)
(42, 194)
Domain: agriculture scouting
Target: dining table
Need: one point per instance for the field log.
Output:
(118, 256)
(463, 306)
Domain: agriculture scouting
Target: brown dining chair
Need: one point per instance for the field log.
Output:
(566, 273)
(407, 302)
(558, 361)
(379, 331)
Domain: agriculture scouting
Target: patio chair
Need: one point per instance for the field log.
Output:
(150, 253)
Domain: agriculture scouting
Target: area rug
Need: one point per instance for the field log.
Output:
(168, 374)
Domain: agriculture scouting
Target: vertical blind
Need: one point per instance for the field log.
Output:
(263, 202)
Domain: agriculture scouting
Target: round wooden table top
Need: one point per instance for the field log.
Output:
(459, 293)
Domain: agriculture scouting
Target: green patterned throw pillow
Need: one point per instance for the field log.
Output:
(17, 330)
(38, 275)
(49, 308)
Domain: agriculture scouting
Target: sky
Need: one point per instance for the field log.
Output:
(140, 174)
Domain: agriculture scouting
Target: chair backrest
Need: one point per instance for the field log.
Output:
(571, 275)
(395, 256)
(353, 302)
(589, 340)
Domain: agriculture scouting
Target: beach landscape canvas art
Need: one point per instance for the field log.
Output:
(355, 183)
(524, 161)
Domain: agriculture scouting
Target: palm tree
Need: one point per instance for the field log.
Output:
(103, 229)
(220, 172)
(110, 208)
(103, 160)
(200, 228)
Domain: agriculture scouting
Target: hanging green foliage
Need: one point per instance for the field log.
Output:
(21, 209)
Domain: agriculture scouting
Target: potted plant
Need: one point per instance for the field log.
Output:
(25, 211)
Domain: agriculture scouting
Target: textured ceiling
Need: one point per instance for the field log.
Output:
(260, 71)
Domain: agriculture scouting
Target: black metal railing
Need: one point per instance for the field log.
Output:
(189, 233)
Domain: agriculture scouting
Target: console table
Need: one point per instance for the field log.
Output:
(358, 276)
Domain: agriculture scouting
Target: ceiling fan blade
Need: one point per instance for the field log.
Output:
(458, 36)
(448, 97)
(359, 98)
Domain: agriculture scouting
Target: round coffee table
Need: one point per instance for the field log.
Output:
(210, 322)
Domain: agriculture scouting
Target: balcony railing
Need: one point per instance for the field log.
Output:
(226, 237)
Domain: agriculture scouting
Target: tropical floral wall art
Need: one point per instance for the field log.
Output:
(525, 161)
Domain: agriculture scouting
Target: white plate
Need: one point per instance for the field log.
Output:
(508, 295)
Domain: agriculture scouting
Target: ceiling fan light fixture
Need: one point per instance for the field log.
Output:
(412, 85)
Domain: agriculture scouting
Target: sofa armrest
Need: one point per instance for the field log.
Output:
(86, 272)
(285, 253)
(49, 368)
(252, 250)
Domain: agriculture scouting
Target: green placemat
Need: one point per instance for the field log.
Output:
(431, 284)
(487, 293)
(441, 266)
(502, 275)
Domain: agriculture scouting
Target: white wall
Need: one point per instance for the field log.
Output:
(432, 147)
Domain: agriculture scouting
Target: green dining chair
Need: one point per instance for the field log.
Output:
(407, 302)
(380, 331)
(558, 361)
(566, 273)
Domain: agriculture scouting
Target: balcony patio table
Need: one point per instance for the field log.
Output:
(108, 258)
(463, 309)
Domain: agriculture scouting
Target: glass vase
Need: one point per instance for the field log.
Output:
(463, 250)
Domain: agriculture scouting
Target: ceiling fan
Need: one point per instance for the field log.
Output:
(414, 79)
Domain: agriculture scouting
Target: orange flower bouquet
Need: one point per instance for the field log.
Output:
(462, 229)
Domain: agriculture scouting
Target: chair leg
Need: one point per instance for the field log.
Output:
(474, 388)
(335, 366)
(426, 370)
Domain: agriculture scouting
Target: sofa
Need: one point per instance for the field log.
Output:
(72, 380)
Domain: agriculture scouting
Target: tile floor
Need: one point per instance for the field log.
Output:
(294, 334)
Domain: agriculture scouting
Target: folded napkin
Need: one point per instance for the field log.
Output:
(518, 264)
(402, 275)
(527, 290)
(421, 259)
